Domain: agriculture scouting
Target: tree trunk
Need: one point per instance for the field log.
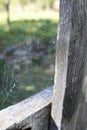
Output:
(7, 4)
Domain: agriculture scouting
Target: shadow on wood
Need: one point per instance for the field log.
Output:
(53, 125)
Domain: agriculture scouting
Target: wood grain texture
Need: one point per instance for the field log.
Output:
(76, 58)
(62, 52)
(70, 60)
(31, 113)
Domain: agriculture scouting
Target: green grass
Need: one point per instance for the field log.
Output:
(21, 31)
(40, 26)
(29, 15)
(26, 83)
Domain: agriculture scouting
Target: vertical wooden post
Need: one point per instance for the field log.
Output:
(70, 61)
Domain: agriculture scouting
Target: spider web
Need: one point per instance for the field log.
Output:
(20, 83)
(25, 71)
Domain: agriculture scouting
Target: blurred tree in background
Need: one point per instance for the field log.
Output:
(6, 5)
(41, 3)
(21, 5)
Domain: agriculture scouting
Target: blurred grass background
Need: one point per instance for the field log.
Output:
(28, 21)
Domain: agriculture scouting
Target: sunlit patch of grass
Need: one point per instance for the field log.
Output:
(40, 25)
(29, 15)
(30, 88)
(26, 88)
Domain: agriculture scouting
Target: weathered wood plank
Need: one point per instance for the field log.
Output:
(61, 61)
(70, 61)
(33, 113)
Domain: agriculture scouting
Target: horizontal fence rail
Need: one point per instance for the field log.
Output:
(31, 114)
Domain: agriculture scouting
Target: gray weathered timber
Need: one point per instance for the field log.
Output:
(70, 61)
(62, 51)
(32, 113)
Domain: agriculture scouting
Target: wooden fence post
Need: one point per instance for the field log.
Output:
(70, 61)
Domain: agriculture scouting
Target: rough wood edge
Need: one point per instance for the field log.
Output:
(62, 52)
(22, 110)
